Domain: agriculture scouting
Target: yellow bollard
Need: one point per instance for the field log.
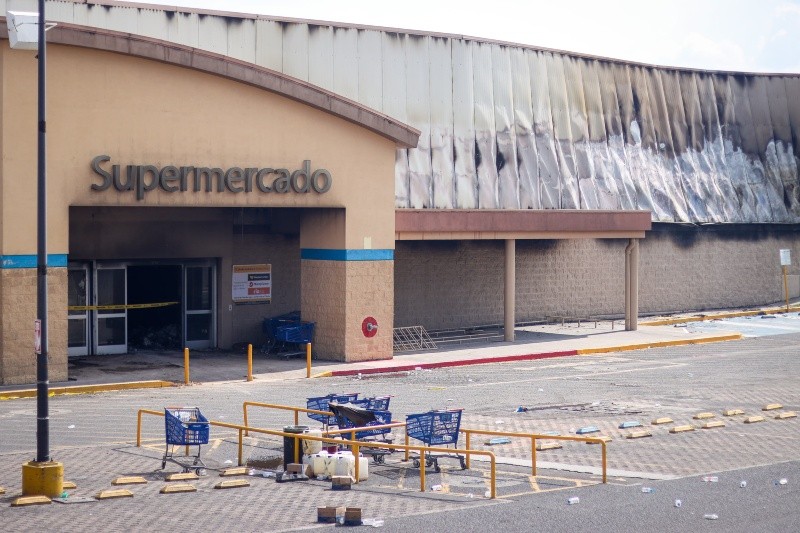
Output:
(308, 360)
(249, 362)
(186, 366)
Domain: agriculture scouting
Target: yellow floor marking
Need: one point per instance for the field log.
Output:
(534, 484)
(216, 443)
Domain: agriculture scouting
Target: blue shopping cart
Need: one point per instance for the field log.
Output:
(357, 414)
(320, 403)
(436, 428)
(286, 334)
(185, 426)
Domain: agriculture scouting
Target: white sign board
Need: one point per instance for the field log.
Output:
(786, 257)
(37, 336)
(252, 283)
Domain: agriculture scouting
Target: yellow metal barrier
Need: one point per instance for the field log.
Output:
(354, 445)
(352, 432)
(534, 437)
(297, 411)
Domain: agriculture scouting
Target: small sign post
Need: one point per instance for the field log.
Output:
(37, 336)
(786, 261)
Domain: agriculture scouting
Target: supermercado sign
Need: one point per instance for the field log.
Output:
(142, 179)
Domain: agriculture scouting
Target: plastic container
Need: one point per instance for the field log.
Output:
(573, 500)
(313, 446)
(343, 465)
(710, 516)
(678, 503)
(363, 468)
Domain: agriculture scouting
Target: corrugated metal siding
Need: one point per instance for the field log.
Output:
(511, 127)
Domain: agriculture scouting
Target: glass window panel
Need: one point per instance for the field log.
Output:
(110, 331)
(198, 288)
(111, 289)
(76, 333)
(198, 327)
(76, 290)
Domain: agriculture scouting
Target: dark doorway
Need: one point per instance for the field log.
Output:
(155, 328)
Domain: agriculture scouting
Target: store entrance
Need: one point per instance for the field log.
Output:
(127, 306)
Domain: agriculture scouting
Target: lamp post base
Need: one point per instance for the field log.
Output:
(43, 479)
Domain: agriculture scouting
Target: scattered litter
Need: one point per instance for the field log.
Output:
(710, 479)
(470, 495)
(499, 422)
(690, 375)
(678, 503)
(573, 500)
(588, 429)
(498, 440)
(436, 488)
(417, 368)
(251, 472)
(450, 400)
(521, 409)
(71, 426)
(768, 316)
(541, 390)
(487, 494)
(228, 462)
(595, 404)
(374, 522)
(782, 481)
(630, 424)
(268, 474)
(359, 375)
(710, 516)
(470, 380)
(743, 484)
(648, 490)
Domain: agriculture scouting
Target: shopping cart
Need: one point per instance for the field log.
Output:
(286, 334)
(357, 414)
(320, 403)
(436, 428)
(185, 426)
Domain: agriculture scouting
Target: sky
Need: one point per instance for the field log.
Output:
(741, 35)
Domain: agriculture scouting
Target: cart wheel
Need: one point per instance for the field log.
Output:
(416, 463)
(163, 465)
(436, 467)
(463, 463)
(199, 471)
(430, 462)
(379, 459)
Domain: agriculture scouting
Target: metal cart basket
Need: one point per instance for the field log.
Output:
(357, 414)
(185, 426)
(436, 428)
(320, 403)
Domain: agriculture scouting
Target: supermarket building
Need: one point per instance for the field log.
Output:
(193, 193)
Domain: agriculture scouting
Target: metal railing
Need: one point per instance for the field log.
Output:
(355, 445)
(297, 411)
(534, 437)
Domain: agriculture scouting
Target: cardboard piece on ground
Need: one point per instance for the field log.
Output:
(327, 515)
(352, 516)
(294, 468)
(341, 482)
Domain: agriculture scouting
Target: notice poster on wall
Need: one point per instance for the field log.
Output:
(252, 283)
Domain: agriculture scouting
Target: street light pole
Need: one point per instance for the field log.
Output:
(42, 379)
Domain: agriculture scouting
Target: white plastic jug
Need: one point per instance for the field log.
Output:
(363, 468)
(320, 464)
(344, 465)
(313, 446)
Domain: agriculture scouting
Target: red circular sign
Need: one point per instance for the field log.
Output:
(369, 327)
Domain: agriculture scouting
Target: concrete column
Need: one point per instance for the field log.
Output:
(510, 288)
(635, 285)
(632, 285)
(628, 285)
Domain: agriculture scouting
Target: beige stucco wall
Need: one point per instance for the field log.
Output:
(143, 112)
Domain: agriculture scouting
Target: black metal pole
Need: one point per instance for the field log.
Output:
(42, 414)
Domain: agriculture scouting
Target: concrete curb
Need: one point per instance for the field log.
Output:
(86, 389)
(701, 318)
(527, 357)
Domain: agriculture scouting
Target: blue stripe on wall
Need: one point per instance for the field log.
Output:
(319, 254)
(29, 261)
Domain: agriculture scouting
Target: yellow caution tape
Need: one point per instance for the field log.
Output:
(121, 306)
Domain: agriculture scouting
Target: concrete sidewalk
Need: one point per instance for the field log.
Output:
(162, 369)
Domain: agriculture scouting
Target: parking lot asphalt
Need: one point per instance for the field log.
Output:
(93, 435)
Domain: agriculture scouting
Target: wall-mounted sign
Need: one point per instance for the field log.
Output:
(786, 257)
(252, 283)
(142, 179)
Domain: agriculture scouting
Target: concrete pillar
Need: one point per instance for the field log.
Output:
(632, 285)
(510, 289)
